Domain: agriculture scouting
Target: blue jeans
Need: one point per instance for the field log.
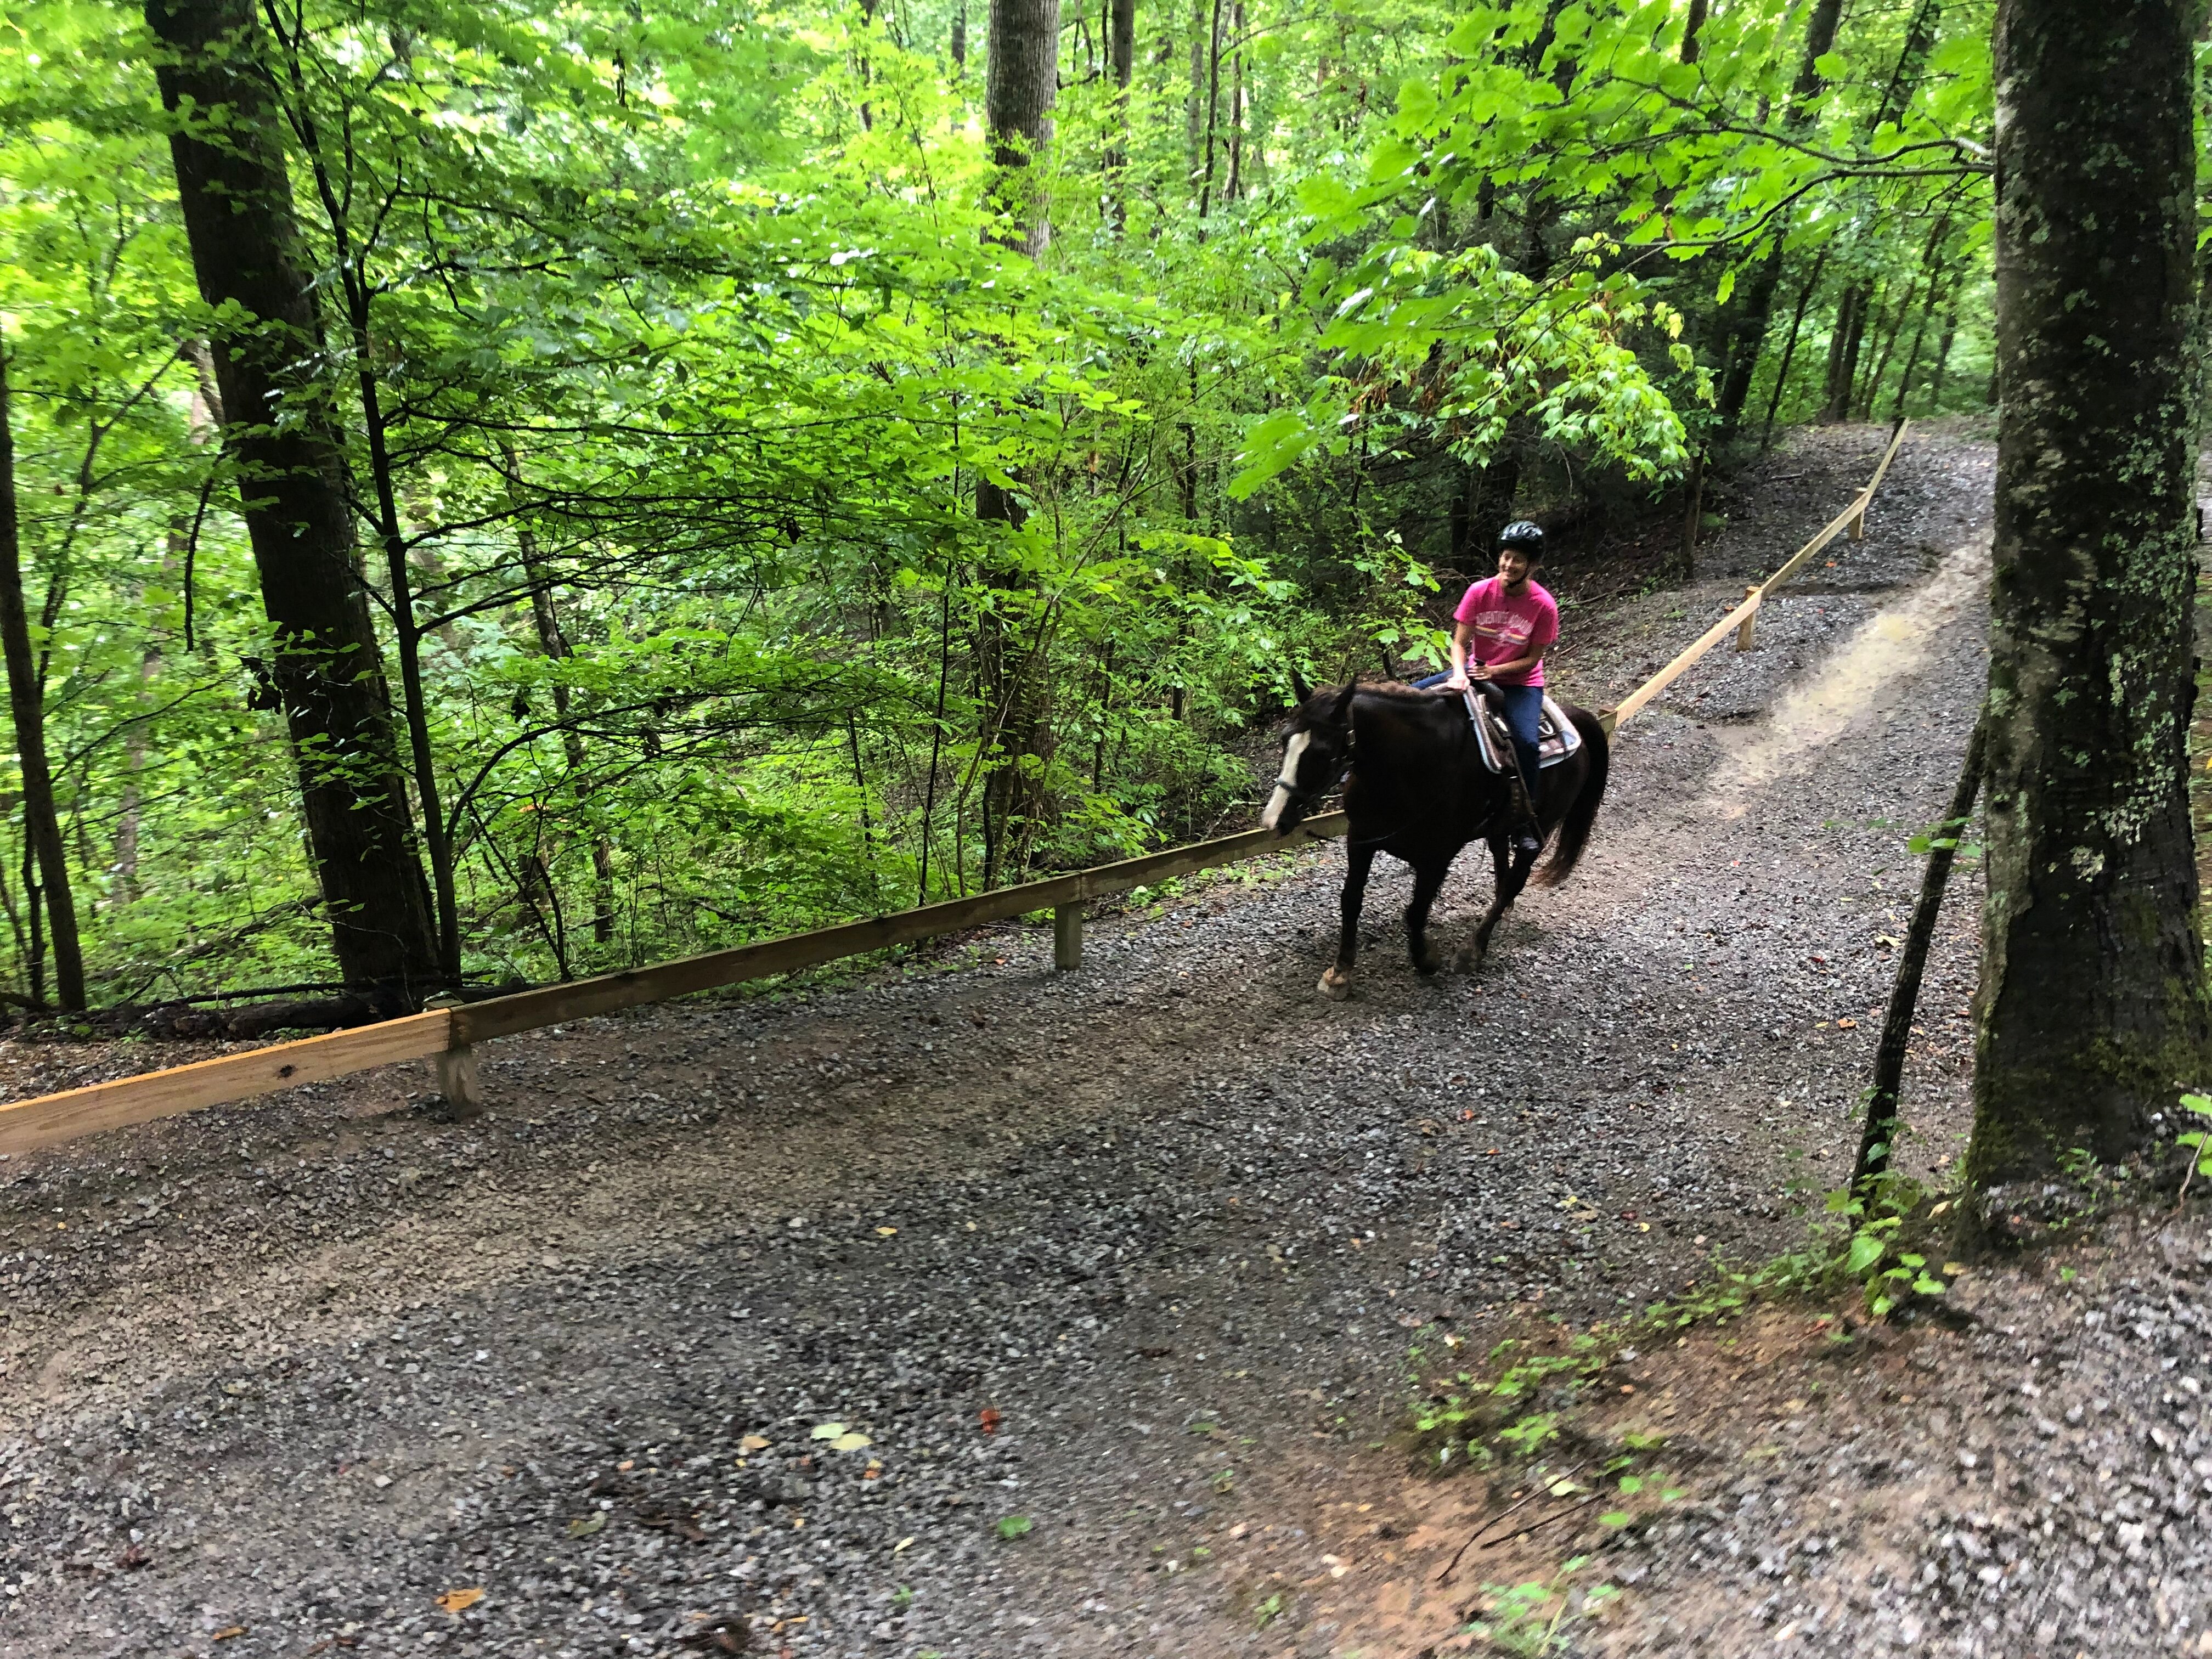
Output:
(1523, 707)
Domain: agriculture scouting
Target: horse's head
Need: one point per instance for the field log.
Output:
(1316, 748)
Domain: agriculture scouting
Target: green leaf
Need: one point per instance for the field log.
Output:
(1015, 1526)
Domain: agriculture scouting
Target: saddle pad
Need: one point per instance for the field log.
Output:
(1557, 738)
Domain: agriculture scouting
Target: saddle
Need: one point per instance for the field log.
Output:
(1557, 738)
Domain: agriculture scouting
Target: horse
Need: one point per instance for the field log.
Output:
(1415, 787)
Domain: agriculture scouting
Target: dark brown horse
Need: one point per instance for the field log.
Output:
(1416, 788)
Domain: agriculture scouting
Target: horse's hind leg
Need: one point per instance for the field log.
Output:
(1427, 878)
(1336, 981)
(1503, 890)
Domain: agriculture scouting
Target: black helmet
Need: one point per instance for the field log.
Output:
(1523, 535)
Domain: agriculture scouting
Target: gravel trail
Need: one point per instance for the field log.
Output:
(985, 1311)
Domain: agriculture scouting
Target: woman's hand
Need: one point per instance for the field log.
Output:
(1477, 671)
(1457, 682)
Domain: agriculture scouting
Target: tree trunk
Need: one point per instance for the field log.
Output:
(407, 642)
(1213, 114)
(237, 207)
(1122, 63)
(1891, 330)
(1693, 27)
(1843, 352)
(1236, 187)
(1878, 1139)
(2091, 1013)
(1694, 510)
(1790, 351)
(1747, 335)
(1194, 110)
(1943, 351)
(1021, 80)
(1912, 358)
(1742, 340)
(1927, 260)
(960, 39)
(1020, 85)
(26, 702)
(553, 640)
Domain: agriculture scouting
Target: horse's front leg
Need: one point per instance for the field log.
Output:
(1501, 890)
(1336, 981)
(1427, 878)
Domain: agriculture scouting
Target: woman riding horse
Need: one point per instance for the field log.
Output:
(1415, 787)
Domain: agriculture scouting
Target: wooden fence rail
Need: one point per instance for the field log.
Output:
(447, 1036)
(1741, 620)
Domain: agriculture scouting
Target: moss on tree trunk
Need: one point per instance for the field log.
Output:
(2093, 1011)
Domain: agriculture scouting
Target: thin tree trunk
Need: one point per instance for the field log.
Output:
(1927, 260)
(553, 640)
(1236, 188)
(1878, 1136)
(1121, 62)
(1746, 336)
(1194, 103)
(1870, 388)
(1213, 114)
(26, 702)
(1898, 404)
(237, 207)
(407, 637)
(1790, 351)
(2093, 1012)
(936, 733)
(1844, 357)
(1021, 84)
(1693, 509)
(1943, 351)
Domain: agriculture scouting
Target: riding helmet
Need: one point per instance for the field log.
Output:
(1522, 534)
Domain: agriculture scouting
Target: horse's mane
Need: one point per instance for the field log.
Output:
(1395, 689)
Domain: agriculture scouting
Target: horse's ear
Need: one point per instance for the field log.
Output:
(1299, 689)
(1343, 711)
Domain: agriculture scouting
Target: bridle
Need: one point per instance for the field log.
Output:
(1302, 797)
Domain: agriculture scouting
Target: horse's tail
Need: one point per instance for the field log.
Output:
(1574, 831)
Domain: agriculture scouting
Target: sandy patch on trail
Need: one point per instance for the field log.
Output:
(1864, 680)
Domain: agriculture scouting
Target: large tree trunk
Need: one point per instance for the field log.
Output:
(27, 702)
(237, 207)
(2091, 1013)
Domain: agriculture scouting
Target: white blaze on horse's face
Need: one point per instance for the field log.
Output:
(1286, 780)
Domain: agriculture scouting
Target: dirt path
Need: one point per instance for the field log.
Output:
(780, 1316)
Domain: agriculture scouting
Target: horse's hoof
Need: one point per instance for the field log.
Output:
(1466, 960)
(1337, 987)
(1428, 965)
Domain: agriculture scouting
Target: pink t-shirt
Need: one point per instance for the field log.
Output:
(1506, 626)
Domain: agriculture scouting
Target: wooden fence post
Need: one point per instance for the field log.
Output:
(1067, 936)
(1858, 519)
(1743, 633)
(455, 1069)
